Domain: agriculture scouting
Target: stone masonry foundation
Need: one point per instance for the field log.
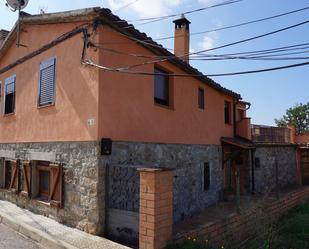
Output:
(83, 191)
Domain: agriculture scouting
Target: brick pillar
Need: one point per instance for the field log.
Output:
(156, 208)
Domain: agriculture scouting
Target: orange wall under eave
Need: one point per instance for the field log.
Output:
(122, 105)
(76, 90)
(126, 104)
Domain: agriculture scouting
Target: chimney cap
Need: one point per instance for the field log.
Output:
(182, 20)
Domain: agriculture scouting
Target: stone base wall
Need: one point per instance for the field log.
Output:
(265, 174)
(83, 197)
(188, 186)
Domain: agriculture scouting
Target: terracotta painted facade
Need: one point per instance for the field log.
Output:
(121, 105)
(76, 90)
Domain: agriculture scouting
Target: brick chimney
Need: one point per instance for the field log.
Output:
(3, 35)
(182, 38)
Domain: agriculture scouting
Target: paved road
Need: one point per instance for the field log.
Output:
(9, 239)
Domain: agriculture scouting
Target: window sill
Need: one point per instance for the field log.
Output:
(40, 201)
(9, 114)
(6, 190)
(165, 106)
(45, 106)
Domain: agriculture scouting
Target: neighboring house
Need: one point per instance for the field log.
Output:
(72, 135)
(275, 158)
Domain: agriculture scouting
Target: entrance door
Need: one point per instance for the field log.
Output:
(305, 166)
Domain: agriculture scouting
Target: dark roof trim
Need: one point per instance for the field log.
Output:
(238, 142)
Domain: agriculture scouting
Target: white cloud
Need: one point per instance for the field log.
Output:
(209, 41)
(145, 8)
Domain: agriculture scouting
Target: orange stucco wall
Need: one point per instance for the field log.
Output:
(121, 105)
(76, 90)
(127, 111)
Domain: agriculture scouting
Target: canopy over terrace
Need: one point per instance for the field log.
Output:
(237, 163)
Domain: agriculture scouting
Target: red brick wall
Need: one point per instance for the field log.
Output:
(243, 225)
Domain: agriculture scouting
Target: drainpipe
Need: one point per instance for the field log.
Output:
(236, 101)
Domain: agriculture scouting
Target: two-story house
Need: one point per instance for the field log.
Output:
(74, 127)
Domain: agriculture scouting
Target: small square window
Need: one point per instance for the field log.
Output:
(201, 98)
(227, 112)
(206, 176)
(161, 87)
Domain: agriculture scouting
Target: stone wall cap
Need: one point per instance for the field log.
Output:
(155, 169)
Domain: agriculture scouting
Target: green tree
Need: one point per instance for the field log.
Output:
(298, 116)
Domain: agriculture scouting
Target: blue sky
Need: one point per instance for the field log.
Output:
(270, 93)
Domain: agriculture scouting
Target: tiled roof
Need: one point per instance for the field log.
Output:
(105, 15)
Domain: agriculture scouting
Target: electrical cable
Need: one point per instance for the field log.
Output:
(158, 18)
(249, 55)
(126, 6)
(90, 63)
(222, 28)
(225, 45)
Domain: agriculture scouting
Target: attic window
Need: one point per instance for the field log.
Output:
(9, 95)
(47, 82)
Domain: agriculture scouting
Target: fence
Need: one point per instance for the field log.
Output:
(273, 135)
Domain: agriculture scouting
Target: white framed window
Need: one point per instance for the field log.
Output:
(47, 82)
(9, 95)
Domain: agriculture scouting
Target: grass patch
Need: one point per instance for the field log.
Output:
(294, 229)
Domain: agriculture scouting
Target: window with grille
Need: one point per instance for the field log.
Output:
(9, 95)
(47, 82)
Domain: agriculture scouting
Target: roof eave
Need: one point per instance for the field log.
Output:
(62, 17)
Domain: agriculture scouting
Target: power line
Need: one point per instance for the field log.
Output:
(271, 50)
(237, 25)
(90, 63)
(252, 54)
(224, 46)
(126, 6)
(158, 18)
(223, 28)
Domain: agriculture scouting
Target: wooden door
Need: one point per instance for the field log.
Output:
(304, 160)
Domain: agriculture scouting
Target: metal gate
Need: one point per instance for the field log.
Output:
(122, 203)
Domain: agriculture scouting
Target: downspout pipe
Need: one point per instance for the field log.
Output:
(236, 101)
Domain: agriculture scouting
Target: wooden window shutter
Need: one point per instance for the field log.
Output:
(47, 82)
(56, 174)
(15, 176)
(26, 178)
